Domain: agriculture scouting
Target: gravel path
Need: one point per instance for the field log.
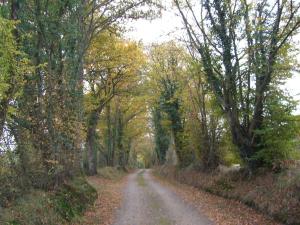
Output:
(147, 202)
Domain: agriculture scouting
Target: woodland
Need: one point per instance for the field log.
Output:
(77, 95)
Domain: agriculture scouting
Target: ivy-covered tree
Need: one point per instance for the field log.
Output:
(239, 44)
(167, 67)
(161, 136)
(13, 66)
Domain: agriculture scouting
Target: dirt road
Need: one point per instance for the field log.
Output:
(147, 202)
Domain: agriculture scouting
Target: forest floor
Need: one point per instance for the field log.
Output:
(143, 199)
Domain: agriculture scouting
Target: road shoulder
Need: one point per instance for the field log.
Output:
(110, 196)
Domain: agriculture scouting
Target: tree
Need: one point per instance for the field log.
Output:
(205, 118)
(47, 108)
(112, 66)
(239, 46)
(161, 137)
(47, 120)
(167, 66)
(13, 64)
(128, 115)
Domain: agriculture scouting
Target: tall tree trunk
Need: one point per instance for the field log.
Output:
(109, 138)
(91, 143)
(119, 138)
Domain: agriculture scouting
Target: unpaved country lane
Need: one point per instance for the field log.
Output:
(147, 202)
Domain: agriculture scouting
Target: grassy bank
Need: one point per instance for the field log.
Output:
(275, 194)
(61, 206)
(64, 205)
